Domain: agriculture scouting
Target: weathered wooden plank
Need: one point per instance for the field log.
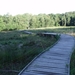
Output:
(55, 57)
(41, 73)
(48, 65)
(51, 61)
(54, 70)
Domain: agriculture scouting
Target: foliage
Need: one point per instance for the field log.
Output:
(26, 21)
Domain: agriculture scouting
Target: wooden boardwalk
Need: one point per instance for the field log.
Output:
(54, 61)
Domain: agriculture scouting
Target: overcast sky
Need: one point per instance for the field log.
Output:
(14, 7)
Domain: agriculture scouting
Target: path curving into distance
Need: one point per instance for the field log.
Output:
(55, 61)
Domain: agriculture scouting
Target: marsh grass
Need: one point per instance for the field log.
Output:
(72, 72)
(17, 49)
(66, 30)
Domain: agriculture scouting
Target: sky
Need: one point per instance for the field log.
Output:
(15, 7)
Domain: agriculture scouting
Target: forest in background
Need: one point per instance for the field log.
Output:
(27, 21)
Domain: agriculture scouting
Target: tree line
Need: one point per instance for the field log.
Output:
(25, 21)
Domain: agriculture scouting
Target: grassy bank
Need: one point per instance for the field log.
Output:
(67, 30)
(72, 72)
(17, 49)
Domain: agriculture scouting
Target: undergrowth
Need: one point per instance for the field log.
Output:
(17, 49)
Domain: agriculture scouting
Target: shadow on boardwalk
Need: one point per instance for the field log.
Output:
(55, 61)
